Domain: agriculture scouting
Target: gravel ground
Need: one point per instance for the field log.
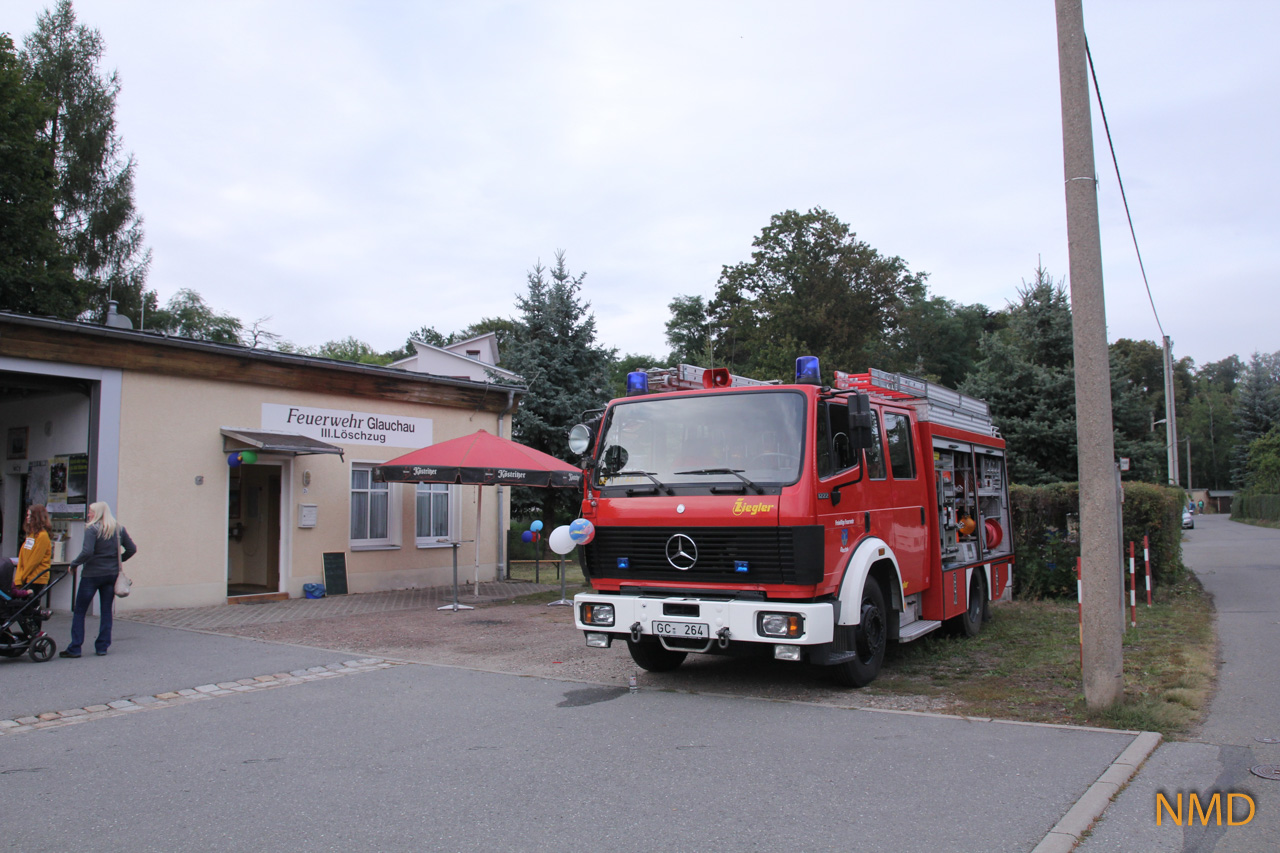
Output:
(541, 641)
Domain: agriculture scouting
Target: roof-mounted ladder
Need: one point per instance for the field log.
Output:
(933, 402)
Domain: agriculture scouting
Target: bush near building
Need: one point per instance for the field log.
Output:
(1046, 539)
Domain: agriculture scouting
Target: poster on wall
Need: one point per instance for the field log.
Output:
(78, 482)
(38, 482)
(16, 446)
(61, 479)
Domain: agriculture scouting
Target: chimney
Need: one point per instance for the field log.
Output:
(114, 320)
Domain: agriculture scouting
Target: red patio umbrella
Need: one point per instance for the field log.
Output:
(480, 459)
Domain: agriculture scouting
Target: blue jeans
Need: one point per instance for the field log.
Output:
(105, 589)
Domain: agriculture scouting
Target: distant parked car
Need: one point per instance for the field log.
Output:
(1188, 520)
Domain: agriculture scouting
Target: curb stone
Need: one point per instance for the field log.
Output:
(186, 695)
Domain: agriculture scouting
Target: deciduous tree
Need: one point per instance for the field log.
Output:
(810, 288)
(189, 316)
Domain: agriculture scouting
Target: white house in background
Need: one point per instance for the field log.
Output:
(475, 359)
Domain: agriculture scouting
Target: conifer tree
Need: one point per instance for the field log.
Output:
(94, 211)
(554, 350)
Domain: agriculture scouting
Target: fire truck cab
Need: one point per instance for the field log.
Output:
(812, 522)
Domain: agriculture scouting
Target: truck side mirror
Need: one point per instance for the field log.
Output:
(859, 422)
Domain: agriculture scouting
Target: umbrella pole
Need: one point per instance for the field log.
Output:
(455, 607)
(563, 600)
(479, 500)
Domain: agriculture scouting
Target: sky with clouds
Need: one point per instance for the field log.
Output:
(363, 169)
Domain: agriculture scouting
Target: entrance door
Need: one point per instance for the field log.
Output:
(253, 549)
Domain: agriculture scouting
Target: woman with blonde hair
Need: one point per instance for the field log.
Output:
(101, 558)
(37, 551)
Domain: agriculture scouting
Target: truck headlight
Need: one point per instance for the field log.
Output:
(790, 625)
(597, 614)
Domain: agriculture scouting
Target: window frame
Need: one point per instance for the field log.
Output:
(909, 443)
(451, 511)
(392, 540)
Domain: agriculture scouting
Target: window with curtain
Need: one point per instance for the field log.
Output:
(370, 508)
(432, 513)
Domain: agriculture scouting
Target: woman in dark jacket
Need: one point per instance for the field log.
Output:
(101, 558)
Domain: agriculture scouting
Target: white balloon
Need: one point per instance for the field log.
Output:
(560, 540)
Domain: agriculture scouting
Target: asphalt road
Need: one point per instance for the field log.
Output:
(435, 758)
(423, 757)
(1240, 566)
(429, 757)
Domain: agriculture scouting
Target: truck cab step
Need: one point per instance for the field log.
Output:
(917, 629)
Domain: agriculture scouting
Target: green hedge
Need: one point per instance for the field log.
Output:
(1046, 535)
(1257, 507)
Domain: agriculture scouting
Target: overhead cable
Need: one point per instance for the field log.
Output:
(1094, 74)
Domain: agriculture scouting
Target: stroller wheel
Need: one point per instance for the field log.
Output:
(42, 649)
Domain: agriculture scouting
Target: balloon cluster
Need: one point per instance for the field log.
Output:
(568, 536)
(533, 534)
(241, 457)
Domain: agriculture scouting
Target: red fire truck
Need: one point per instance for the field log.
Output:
(812, 522)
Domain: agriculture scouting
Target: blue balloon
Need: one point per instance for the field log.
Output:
(536, 526)
(233, 459)
(526, 536)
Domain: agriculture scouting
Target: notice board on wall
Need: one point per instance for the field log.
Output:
(335, 573)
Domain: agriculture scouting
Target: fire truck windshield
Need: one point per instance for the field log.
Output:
(754, 437)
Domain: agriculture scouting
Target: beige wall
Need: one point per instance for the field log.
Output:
(170, 437)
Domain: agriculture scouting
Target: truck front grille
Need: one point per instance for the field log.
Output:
(772, 555)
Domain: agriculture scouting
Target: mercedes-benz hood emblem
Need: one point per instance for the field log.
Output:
(682, 553)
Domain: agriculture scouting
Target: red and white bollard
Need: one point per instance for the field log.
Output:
(1146, 558)
(1133, 591)
(1080, 608)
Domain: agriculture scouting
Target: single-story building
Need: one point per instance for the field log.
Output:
(237, 470)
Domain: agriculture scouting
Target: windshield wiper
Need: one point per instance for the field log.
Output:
(737, 472)
(649, 474)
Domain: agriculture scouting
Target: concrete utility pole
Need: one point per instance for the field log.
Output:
(1170, 414)
(1103, 661)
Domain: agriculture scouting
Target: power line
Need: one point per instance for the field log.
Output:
(1094, 74)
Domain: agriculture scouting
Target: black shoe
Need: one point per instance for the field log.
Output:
(101, 654)
(66, 654)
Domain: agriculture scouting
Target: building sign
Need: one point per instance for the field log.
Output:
(341, 426)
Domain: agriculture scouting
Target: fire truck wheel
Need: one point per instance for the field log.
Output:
(870, 637)
(976, 613)
(653, 657)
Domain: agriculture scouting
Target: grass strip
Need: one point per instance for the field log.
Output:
(1025, 665)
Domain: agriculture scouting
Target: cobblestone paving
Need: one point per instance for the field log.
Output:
(242, 615)
(51, 719)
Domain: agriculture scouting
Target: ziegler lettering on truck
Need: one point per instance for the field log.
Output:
(741, 507)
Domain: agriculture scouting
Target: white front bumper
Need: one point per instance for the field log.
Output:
(740, 617)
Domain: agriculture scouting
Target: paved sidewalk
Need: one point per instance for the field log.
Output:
(241, 615)
(1240, 566)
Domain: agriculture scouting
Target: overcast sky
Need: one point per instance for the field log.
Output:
(369, 168)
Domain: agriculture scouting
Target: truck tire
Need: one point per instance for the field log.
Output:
(970, 623)
(870, 636)
(654, 657)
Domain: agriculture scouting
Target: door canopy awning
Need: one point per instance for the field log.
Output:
(264, 441)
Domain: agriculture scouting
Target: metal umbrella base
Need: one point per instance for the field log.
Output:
(455, 606)
(563, 600)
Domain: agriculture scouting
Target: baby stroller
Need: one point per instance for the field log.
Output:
(21, 617)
